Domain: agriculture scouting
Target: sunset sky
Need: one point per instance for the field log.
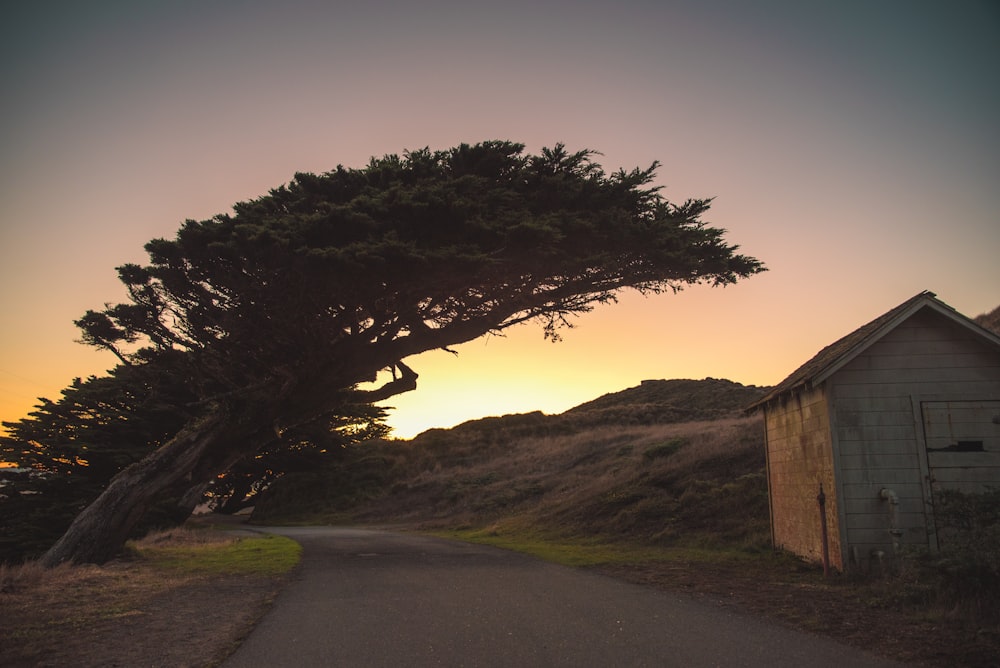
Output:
(853, 146)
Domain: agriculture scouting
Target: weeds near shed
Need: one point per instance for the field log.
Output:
(968, 562)
(961, 581)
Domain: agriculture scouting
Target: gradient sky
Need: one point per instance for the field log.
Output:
(853, 146)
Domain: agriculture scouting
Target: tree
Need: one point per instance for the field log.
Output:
(318, 447)
(72, 447)
(285, 308)
(69, 450)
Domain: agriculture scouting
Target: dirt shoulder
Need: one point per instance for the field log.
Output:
(126, 614)
(832, 607)
(116, 616)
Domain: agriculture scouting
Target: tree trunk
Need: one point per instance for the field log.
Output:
(239, 499)
(203, 449)
(99, 532)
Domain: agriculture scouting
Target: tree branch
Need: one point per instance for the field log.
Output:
(407, 381)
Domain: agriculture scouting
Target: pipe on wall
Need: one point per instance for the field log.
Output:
(895, 532)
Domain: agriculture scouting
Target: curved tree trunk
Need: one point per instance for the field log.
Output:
(101, 529)
(190, 460)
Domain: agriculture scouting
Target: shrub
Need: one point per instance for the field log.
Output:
(968, 559)
(664, 449)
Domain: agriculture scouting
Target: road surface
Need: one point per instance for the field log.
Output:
(369, 598)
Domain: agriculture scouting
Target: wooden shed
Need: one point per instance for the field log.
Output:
(902, 407)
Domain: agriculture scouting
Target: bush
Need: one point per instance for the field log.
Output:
(665, 449)
(968, 559)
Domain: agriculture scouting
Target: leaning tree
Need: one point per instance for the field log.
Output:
(288, 308)
(68, 450)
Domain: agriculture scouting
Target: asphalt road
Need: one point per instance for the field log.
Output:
(365, 598)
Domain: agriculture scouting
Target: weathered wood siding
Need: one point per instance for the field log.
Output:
(962, 438)
(799, 458)
(878, 432)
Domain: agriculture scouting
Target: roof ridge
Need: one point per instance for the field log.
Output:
(842, 347)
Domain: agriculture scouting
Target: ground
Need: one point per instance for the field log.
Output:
(118, 615)
(124, 615)
(832, 607)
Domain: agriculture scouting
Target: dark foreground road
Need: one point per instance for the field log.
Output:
(374, 598)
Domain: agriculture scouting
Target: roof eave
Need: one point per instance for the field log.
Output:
(923, 300)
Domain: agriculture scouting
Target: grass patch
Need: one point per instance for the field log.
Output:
(664, 449)
(565, 552)
(591, 551)
(258, 555)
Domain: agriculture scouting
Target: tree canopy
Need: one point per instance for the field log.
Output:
(274, 316)
(68, 451)
(407, 254)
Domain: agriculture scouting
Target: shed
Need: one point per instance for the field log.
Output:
(906, 405)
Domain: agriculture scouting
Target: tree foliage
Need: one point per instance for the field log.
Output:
(274, 316)
(402, 255)
(68, 450)
(72, 447)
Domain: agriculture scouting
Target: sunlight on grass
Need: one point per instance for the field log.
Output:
(263, 555)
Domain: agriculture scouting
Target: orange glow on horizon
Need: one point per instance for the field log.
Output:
(857, 195)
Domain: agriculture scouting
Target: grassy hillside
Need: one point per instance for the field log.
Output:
(664, 463)
(667, 401)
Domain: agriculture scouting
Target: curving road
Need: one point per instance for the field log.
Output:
(366, 598)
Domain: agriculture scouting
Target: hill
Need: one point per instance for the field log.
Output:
(651, 402)
(669, 401)
(990, 321)
(666, 462)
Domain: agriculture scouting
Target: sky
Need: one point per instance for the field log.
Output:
(852, 146)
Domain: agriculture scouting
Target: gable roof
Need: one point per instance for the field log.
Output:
(839, 353)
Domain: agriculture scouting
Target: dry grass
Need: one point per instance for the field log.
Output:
(128, 612)
(15, 578)
(30, 576)
(48, 614)
(185, 535)
(624, 457)
(660, 483)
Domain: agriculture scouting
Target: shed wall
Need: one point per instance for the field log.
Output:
(878, 430)
(799, 458)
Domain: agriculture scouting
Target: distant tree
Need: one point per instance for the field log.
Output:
(287, 307)
(101, 424)
(68, 450)
(71, 448)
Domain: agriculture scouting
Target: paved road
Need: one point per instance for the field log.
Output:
(366, 598)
